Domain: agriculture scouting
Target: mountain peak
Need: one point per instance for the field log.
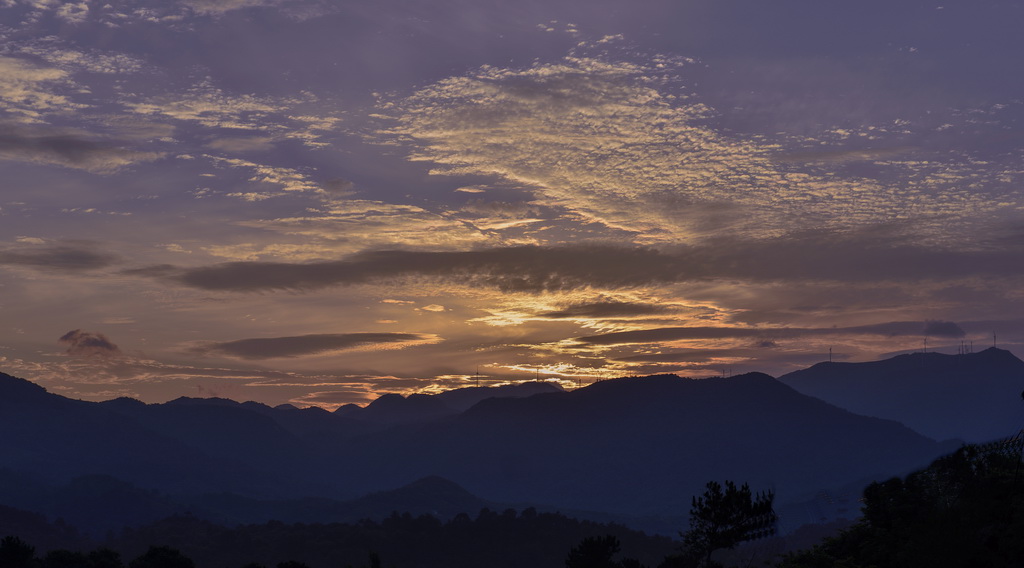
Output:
(15, 389)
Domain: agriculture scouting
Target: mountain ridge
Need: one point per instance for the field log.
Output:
(975, 397)
(630, 447)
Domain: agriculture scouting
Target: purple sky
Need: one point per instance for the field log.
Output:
(319, 202)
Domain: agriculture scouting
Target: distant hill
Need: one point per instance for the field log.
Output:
(391, 409)
(97, 504)
(974, 397)
(59, 439)
(643, 446)
(633, 447)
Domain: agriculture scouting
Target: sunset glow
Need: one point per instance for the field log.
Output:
(306, 202)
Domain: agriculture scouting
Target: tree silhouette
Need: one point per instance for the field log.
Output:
(965, 509)
(597, 552)
(162, 557)
(104, 558)
(722, 518)
(15, 553)
(64, 559)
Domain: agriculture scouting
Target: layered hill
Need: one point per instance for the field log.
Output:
(629, 447)
(975, 397)
(643, 446)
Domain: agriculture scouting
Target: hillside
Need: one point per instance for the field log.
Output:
(973, 397)
(643, 446)
(634, 448)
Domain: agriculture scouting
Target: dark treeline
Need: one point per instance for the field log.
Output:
(965, 509)
(495, 539)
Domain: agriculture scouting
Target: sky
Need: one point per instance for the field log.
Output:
(319, 202)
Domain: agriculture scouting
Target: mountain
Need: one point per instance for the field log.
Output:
(975, 397)
(643, 446)
(58, 439)
(464, 398)
(632, 447)
(97, 504)
(391, 409)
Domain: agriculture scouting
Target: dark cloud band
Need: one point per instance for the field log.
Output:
(57, 258)
(296, 346)
(890, 329)
(817, 256)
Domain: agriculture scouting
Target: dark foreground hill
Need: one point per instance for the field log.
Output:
(974, 397)
(630, 447)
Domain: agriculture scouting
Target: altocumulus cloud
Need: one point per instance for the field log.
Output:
(313, 344)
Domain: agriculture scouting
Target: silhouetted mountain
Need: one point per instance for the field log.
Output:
(628, 447)
(37, 530)
(974, 397)
(643, 446)
(59, 439)
(391, 409)
(93, 503)
(462, 399)
(99, 503)
(397, 409)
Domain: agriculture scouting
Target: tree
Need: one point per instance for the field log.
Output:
(593, 552)
(104, 558)
(597, 552)
(64, 559)
(722, 518)
(965, 509)
(15, 553)
(162, 557)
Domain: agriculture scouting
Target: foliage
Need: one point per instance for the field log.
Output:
(507, 539)
(597, 552)
(724, 517)
(965, 509)
(15, 553)
(162, 557)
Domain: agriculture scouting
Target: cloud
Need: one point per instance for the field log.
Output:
(943, 329)
(526, 269)
(289, 179)
(64, 258)
(809, 256)
(682, 356)
(89, 344)
(350, 225)
(315, 344)
(604, 310)
(621, 143)
(218, 7)
(664, 334)
(209, 106)
(26, 90)
(70, 149)
(240, 145)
